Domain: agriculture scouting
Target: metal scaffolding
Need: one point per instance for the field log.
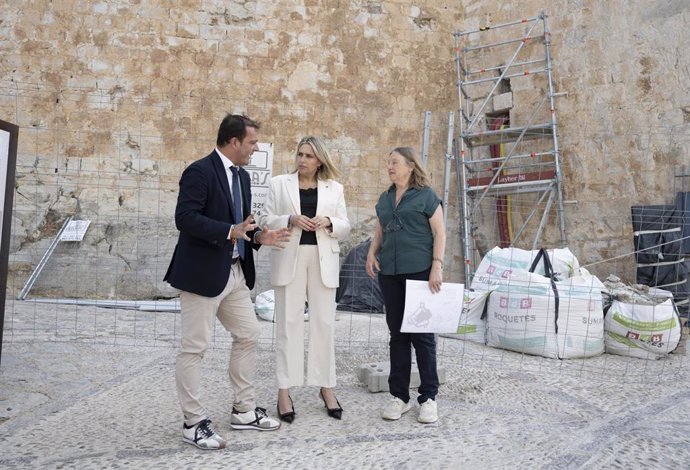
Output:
(507, 146)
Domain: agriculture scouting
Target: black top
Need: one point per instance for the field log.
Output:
(308, 198)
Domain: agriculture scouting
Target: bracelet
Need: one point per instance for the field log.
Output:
(232, 233)
(439, 260)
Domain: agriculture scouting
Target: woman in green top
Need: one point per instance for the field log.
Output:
(408, 243)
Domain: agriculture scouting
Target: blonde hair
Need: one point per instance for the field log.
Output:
(418, 177)
(327, 170)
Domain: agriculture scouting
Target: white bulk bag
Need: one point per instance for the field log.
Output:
(472, 323)
(535, 314)
(265, 305)
(499, 263)
(581, 316)
(644, 331)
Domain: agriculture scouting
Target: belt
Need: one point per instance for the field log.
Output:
(234, 260)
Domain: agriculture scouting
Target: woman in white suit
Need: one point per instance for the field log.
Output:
(312, 204)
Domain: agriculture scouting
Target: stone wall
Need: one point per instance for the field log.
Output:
(625, 122)
(114, 99)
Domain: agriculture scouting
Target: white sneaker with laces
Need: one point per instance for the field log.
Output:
(203, 436)
(395, 409)
(428, 412)
(254, 419)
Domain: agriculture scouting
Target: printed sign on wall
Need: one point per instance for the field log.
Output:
(4, 157)
(9, 135)
(260, 169)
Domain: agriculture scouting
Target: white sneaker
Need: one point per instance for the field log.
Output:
(428, 412)
(395, 409)
(255, 419)
(203, 436)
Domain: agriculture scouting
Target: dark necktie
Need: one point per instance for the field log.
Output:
(237, 206)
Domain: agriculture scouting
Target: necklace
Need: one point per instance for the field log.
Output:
(307, 184)
(399, 195)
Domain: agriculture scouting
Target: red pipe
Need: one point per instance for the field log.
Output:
(501, 201)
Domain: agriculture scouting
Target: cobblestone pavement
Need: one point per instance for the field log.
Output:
(73, 400)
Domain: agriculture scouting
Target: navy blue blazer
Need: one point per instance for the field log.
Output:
(202, 259)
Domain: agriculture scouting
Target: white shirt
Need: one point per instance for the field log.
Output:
(227, 164)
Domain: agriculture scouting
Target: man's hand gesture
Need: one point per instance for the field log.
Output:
(241, 230)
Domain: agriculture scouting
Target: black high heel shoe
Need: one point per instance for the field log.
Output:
(288, 416)
(336, 413)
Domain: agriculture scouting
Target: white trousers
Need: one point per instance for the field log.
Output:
(235, 311)
(289, 315)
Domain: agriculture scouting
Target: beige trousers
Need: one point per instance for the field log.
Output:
(289, 315)
(235, 311)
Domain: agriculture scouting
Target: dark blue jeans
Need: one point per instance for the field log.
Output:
(393, 290)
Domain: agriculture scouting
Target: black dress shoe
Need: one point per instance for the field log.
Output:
(336, 413)
(288, 416)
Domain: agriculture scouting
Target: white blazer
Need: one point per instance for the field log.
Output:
(283, 201)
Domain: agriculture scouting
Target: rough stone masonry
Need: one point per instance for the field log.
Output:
(114, 98)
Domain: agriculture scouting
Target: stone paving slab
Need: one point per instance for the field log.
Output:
(81, 404)
(375, 375)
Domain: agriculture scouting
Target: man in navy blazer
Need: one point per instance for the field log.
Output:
(213, 266)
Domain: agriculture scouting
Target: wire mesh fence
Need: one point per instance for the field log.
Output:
(108, 287)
